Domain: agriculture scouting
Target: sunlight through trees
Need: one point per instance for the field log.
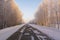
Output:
(10, 14)
(48, 13)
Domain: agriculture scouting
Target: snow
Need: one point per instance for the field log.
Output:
(51, 32)
(32, 38)
(7, 32)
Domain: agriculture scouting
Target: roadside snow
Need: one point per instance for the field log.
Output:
(51, 32)
(7, 32)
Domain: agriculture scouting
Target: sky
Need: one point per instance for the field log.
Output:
(28, 8)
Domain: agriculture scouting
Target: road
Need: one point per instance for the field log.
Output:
(27, 32)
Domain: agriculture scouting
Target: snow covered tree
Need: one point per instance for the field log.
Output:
(10, 14)
(49, 13)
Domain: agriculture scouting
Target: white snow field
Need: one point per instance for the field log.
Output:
(7, 32)
(51, 32)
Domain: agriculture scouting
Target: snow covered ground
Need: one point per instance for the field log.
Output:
(51, 32)
(7, 32)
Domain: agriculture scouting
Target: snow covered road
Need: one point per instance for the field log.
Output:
(7, 32)
(51, 32)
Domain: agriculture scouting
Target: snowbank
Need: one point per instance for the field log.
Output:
(7, 32)
(51, 32)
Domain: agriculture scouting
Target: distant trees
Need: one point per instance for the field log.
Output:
(10, 14)
(48, 13)
(32, 21)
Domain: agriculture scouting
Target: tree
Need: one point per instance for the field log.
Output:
(10, 14)
(49, 10)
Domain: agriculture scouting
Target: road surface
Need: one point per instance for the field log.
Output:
(27, 32)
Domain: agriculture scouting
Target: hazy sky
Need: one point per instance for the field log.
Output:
(28, 8)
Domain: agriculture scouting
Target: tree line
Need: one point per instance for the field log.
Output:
(10, 14)
(48, 13)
